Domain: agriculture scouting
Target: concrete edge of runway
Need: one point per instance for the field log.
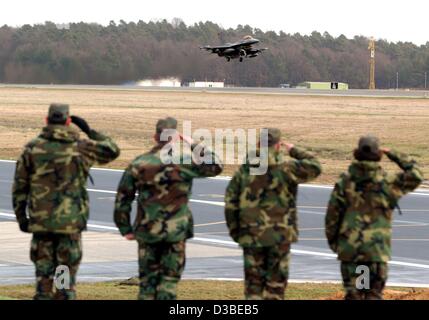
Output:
(313, 281)
(93, 279)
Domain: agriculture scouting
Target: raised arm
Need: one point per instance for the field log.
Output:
(210, 168)
(407, 180)
(100, 149)
(304, 166)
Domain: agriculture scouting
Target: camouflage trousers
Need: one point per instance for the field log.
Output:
(50, 251)
(377, 280)
(160, 268)
(266, 272)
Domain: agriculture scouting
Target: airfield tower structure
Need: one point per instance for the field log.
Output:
(371, 49)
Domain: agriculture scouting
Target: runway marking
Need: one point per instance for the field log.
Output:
(211, 195)
(101, 191)
(96, 226)
(312, 253)
(323, 239)
(408, 221)
(231, 243)
(7, 215)
(410, 239)
(418, 192)
(208, 233)
(214, 203)
(312, 212)
(410, 225)
(209, 224)
(311, 229)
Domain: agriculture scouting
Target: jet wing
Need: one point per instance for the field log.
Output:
(215, 49)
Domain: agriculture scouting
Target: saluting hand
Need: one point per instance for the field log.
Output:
(287, 146)
(81, 123)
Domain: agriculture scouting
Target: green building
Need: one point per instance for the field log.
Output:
(324, 85)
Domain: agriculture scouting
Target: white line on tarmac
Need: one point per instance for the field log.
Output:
(418, 192)
(312, 253)
(312, 212)
(214, 203)
(101, 191)
(231, 243)
(7, 215)
(209, 224)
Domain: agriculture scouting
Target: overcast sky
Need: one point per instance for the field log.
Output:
(393, 20)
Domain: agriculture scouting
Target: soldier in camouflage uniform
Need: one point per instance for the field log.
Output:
(359, 216)
(164, 220)
(50, 181)
(261, 216)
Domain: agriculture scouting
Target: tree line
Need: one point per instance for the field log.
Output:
(89, 53)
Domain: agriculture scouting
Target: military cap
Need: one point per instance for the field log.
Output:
(58, 112)
(369, 144)
(274, 136)
(167, 123)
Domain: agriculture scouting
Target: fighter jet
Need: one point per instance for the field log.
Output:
(239, 50)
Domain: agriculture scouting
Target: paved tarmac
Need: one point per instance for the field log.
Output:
(391, 93)
(311, 258)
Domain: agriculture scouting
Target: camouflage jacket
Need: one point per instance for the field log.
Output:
(163, 194)
(51, 175)
(260, 210)
(359, 216)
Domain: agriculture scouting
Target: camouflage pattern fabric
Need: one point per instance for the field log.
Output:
(359, 216)
(48, 251)
(164, 220)
(260, 210)
(50, 180)
(160, 267)
(51, 175)
(377, 280)
(266, 271)
(164, 190)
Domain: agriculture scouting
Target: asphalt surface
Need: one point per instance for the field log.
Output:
(311, 258)
(256, 90)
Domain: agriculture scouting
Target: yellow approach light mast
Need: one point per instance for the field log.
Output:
(371, 49)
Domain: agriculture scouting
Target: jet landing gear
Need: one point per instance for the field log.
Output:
(228, 59)
(241, 59)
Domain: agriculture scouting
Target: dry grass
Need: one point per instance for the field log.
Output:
(330, 126)
(211, 290)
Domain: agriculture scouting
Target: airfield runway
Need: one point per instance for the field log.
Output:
(311, 258)
(240, 90)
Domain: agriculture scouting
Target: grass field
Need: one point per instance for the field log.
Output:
(211, 290)
(329, 126)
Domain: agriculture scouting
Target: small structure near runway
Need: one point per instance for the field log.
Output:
(206, 84)
(324, 85)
